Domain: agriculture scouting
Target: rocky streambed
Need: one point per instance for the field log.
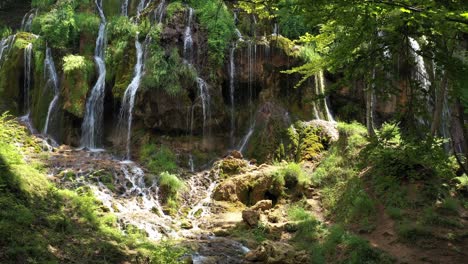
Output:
(218, 211)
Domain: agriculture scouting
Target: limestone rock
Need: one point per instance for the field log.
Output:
(262, 205)
(251, 217)
(276, 252)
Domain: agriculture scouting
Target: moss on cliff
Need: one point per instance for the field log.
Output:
(78, 71)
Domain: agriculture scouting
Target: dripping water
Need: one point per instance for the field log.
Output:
(159, 11)
(52, 81)
(27, 20)
(205, 100)
(128, 100)
(92, 122)
(188, 41)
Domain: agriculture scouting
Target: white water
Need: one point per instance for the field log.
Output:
(124, 8)
(246, 138)
(159, 11)
(92, 122)
(322, 87)
(52, 81)
(27, 20)
(205, 98)
(128, 100)
(27, 78)
(188, 41)
(421, 72)
(232, 88)
(5, 46)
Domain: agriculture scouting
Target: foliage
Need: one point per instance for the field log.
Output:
(58, 26)
(158, 159)
(405, 158)
(331, 244)
(78, 71)
(171, 186)
(304, 142)
(167, 72)
(215, 17)
(291, 175)
(73, 62)
(174, 7)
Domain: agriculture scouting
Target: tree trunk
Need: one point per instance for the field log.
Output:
(439, 106)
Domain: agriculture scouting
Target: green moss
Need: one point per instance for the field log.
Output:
(78, 71)
(174, 7)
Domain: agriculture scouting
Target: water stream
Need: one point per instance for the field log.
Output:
(188, 41)
(93, 117)
(27, 20)
(128, 100)
(52, 81)
(159, 11)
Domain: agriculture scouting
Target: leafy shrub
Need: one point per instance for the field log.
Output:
(171, 182)
(218, 21)
(298, 213)
(158, 159)
(291, 175)
(73, 62)
(58, 26)
(167, 72)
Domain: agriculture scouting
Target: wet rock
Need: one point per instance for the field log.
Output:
(276, 252)
(262, 205)
(251, 217)
(236, 154)
(186, 225)
(257, 255)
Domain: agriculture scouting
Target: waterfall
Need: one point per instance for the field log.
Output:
(128, 100)
(124, 8)
(92, 122)
(5, 46)
(246, 138)
(188, 41)
(275, 29)
(232, 74)
(50, 74)
(27, 77)
(27, 20)
(321, 82)
(421, 73)
(159, 11)
(205, 100)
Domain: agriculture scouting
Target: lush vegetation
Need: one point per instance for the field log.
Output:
(41, 223)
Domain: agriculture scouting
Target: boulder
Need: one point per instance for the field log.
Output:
(251, 217)
(262, 205)
(236, 154)
(276, 252)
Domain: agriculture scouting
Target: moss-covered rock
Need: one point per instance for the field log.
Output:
(77, 74)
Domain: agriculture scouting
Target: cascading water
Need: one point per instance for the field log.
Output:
(128, 100)
(92, 122)
(246, 138)
(321, 84)
(188, 41)
(5, 46)
(27, 20)
(421, 73)
(159, 12)
(124, 8)
(27, 77)
(232, 88)
(205, 100)
(27, 88)
(52, 81)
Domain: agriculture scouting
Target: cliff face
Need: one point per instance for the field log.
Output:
(12, 12)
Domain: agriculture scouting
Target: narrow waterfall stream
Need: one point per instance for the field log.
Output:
(205, 101)
(53, 83)
(26, 118)
(422, 76)
(124, 8)
(232, 89)
(188, 41)
(93, 117)
(159, 12)
(27, 20)
(5, 46)
(128, 100)
(322, 88)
